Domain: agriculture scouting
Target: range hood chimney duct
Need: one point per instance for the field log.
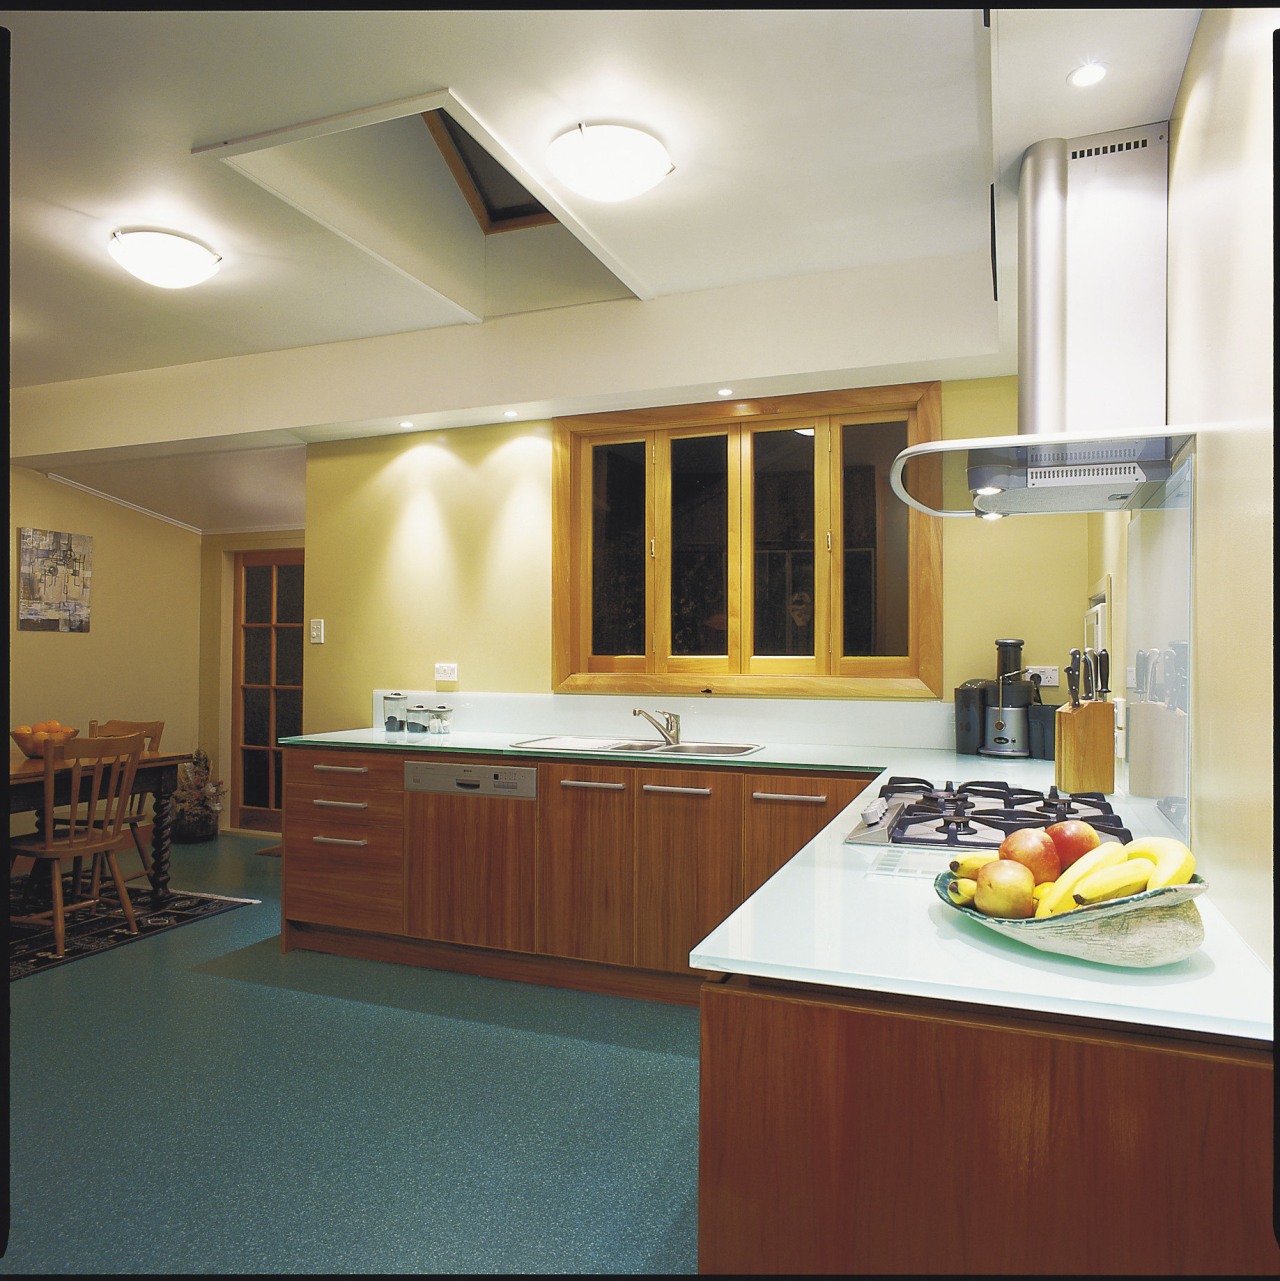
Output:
(1042, 288)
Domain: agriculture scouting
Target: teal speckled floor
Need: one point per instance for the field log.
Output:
(199, 1103)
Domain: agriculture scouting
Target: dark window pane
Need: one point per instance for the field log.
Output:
(288, 713)
(876, 588)
(257, 656)
(257, 593)
(288, 656)
(257, 717)
(288, 593)
(782, 479)
(699, 545)
(254, 779)
(618, 549)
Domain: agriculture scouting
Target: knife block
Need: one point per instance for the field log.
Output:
(1084, 758)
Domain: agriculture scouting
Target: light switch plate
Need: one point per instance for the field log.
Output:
(446, 671)
(317, 631)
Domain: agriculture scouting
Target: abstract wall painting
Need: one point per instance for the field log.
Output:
(55, 573)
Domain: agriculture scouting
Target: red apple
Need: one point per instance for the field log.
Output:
(1034, 848)
(1005, 888)
(1072, 838)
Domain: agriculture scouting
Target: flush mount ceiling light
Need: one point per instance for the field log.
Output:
(608, 162)
(1087, 74)
(166, 259)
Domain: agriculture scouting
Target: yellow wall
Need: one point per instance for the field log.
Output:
(428, 548)
(436, 547)
(140, 658)
(1025, 577)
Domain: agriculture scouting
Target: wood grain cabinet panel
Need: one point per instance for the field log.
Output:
(586, 862)
(782, 812)
(848, 1134)
(469, 870)
(688, 870)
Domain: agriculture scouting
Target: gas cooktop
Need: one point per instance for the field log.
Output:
(976, 815)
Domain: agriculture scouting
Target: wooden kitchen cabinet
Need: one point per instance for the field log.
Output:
(586, 862)
(688, 872)
(342, 838)
(842, 1132)
(469, 869)
(782, 812)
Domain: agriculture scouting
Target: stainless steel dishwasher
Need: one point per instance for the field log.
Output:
(470, 838)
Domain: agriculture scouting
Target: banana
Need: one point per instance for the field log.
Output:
(961, 891)
(966, 866)
(1119, 881)
(1175, 863)
(1059, 897)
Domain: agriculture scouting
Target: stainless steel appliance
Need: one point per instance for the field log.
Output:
(993, 718)
(515, 782)
(974, 815)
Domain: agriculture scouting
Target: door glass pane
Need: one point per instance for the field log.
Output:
(876, 588)
(782, 504)
(257, 593)
(257, 656)
(288, 712)
(699, 544)
(288, 655)
(254, 779)
(288, 593)
(618, 548)
(257, 717)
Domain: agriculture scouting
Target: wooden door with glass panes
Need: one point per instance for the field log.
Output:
(267, 681)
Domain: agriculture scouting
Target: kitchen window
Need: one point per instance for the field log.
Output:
(747, 547)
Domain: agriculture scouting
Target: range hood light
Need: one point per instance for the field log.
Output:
(989, 515)
(986, 491)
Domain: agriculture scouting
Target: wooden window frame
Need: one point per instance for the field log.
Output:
(918, 674)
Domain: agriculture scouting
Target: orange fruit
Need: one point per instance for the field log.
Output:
(46, 725)
(22, 729)
(40, 736)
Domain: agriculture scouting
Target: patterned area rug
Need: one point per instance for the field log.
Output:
(100, 928)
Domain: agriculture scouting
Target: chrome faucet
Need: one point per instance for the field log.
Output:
(670, 731)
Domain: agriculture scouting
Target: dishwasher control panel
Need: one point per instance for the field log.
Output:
(518, 782)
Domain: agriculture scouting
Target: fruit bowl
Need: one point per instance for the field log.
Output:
(33, 743)
(1154, 927)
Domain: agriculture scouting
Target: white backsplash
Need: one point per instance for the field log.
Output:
(854, 722)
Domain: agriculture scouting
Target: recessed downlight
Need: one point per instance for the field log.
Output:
(725, 391)
(510, 413)
(1088, 73)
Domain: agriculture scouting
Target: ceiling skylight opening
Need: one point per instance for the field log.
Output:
(166, 259)
(1088, 73)
(608, 162)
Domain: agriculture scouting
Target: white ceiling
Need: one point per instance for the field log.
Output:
(805, 142)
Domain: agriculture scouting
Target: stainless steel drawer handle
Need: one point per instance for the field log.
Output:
(788, 796)
(341, 769)
(600, 787)
(336, 840)
(683, 791)
(342, 805)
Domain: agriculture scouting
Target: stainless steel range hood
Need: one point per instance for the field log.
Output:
(1092, 235)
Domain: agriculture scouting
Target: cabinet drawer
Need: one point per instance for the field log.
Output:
(345, 874)
(322, 765)
(343, 802)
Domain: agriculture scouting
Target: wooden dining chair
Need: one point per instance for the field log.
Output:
(135, 814)
(99, 772)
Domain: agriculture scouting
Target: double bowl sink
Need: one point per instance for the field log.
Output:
(581, 743)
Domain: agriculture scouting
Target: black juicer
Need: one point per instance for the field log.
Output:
(1000, 717)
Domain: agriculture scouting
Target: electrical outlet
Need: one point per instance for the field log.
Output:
(1048, 676)
(446, 671)
(317, 631)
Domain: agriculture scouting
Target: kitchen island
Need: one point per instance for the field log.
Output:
(889, 1087)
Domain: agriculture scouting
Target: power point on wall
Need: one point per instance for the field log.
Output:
(317, 631)
(446, 671)
(1048, 675)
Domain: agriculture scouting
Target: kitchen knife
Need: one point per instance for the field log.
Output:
(1141, 669)
(1073, 678)
(1104, 674)
(1090, 676)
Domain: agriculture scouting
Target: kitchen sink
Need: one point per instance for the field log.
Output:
(584, 743)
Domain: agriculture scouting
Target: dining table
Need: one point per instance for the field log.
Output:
(157, 776)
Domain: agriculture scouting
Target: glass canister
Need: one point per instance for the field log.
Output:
(393, 711)
(441, 720)
(418, 718)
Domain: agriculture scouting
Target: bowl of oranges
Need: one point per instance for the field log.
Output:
(32, 740)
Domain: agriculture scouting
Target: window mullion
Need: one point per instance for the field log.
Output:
(658, 581)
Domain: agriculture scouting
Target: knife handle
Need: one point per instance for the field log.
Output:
(1104, 673)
